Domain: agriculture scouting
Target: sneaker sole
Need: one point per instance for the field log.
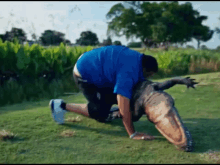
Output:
(51, 104)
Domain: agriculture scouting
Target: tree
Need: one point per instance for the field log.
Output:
(218, 48)
(87, 38)
(14, 33)
(107, 42)
(218, 29)
(200, 32)
(50, 37)
(34, 37)
(204, 47)
(117, 43)
(153, 23)
(67, 42)
(203, 34)
(135, 21)
(19, 34)
(190, 47)
(149, 43)
(2, 37)
(134, 45)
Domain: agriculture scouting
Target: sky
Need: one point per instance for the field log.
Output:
(74, 17)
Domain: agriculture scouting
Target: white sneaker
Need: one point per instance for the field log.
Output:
(57, 112)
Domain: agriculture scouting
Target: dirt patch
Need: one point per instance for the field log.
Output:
(68, 133)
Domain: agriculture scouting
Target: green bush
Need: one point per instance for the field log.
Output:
(185, 61)
(13, 92)
(35, 60)
(117, 43)
(31, 62)
(134, 45)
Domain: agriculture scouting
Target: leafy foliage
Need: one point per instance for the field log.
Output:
(204, 47)
(117, 43)
(32, 62)
(218, 48)
(87, 38)
(14, 33)
(180, 62)
(107, 42)
(202, 33)
(190, 47)
(33, 72)
(157, 22)
(217, 29)
(134, 45)
(50, 37)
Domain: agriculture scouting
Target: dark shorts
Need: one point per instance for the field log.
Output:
(100, 100)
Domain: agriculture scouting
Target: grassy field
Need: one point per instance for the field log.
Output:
(40, 140)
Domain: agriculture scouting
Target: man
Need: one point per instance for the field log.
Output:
(107, 76)
(146, 97)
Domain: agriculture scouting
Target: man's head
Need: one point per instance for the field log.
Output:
(150, 65)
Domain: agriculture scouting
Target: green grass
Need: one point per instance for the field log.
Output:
(38, 138)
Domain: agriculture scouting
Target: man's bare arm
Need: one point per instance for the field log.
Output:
(124, 108)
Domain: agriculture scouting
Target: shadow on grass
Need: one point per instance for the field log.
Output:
(97, 130)
(205, 132)
(140, 126)
(15, 139)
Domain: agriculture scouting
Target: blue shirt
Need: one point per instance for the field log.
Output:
(116, 67)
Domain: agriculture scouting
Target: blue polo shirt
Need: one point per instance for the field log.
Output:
(116, 67)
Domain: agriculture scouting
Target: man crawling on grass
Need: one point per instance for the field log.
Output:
(116, 75)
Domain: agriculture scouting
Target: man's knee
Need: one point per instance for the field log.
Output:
(98, 112)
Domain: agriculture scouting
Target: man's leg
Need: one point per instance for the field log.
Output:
(83, 110)
(89, 92)
(78, 108)
(99, 102)
(59, 107)
(108, 98)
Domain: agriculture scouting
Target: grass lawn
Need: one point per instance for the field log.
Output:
(40, 140)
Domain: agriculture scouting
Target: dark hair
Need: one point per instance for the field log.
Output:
(149, 63)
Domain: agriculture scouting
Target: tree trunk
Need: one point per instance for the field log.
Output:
(198, 43)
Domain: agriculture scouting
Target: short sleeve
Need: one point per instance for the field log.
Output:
(125, 80)
(124, 87)
(127, 73)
